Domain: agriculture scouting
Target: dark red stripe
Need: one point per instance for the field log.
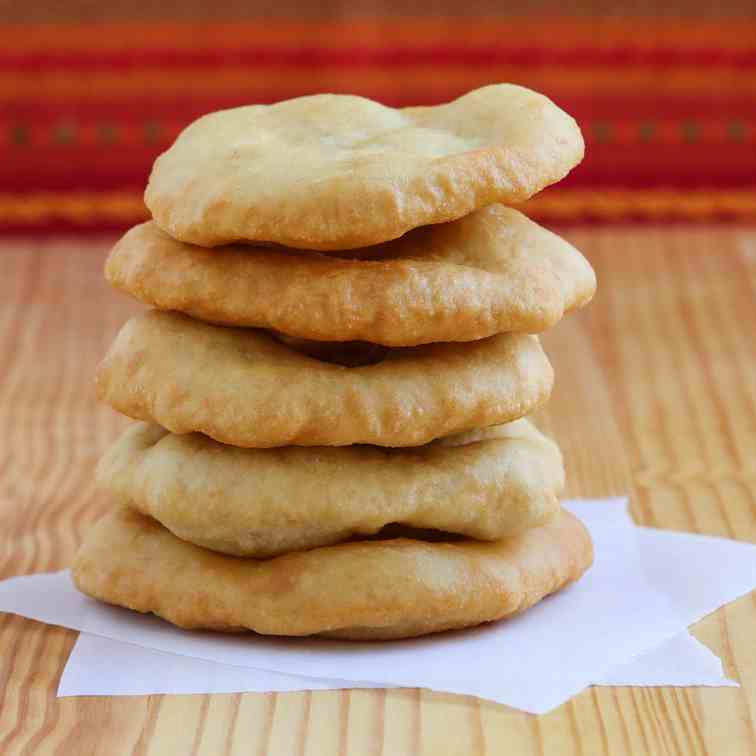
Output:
(453, 55)
(76, 172)
(606, 177)
(685, 166)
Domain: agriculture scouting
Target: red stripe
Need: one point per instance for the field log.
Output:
(389, 57)
(28, 140)
(57, 228)
(275, 93)
(713, 122)
(53, 172)
(98, 169)
(650, 107)
(687, 167)
(605, 177)
(139, 125)
(182, 108)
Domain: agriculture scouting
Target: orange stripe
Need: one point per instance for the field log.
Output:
(75, 207)
(248, 84)
(91, 208)
(616, 204)
(561, 33)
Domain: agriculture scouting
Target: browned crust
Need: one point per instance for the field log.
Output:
(262, 174)
(264, 502)
(244, 388)
(490, 272)
(363, 590)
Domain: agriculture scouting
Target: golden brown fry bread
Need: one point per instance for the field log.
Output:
(335, 172)
(362, 590)
(263, 502)
(489, 272)
(242, 387)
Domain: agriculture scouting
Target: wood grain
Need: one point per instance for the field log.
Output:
(655, 396)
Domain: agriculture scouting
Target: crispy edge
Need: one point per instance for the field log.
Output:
(365, 590)
(394, 299)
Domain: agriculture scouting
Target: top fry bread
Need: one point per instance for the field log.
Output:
(331, 172)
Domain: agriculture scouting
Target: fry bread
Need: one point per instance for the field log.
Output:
(243, 387)
(330, 172)
(263, 502)
(490, 272)
(395, 588)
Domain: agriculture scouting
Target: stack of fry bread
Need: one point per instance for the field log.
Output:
(332, 383)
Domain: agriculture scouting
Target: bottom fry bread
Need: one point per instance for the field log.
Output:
(378, 589)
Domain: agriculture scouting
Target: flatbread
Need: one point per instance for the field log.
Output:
(244, 388)
(490, 272)
(374, 590)
(264, 502)
(331, 172)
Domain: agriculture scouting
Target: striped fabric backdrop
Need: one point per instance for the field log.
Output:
(668, 107)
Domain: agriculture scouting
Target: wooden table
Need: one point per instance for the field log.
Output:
(655, 397)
